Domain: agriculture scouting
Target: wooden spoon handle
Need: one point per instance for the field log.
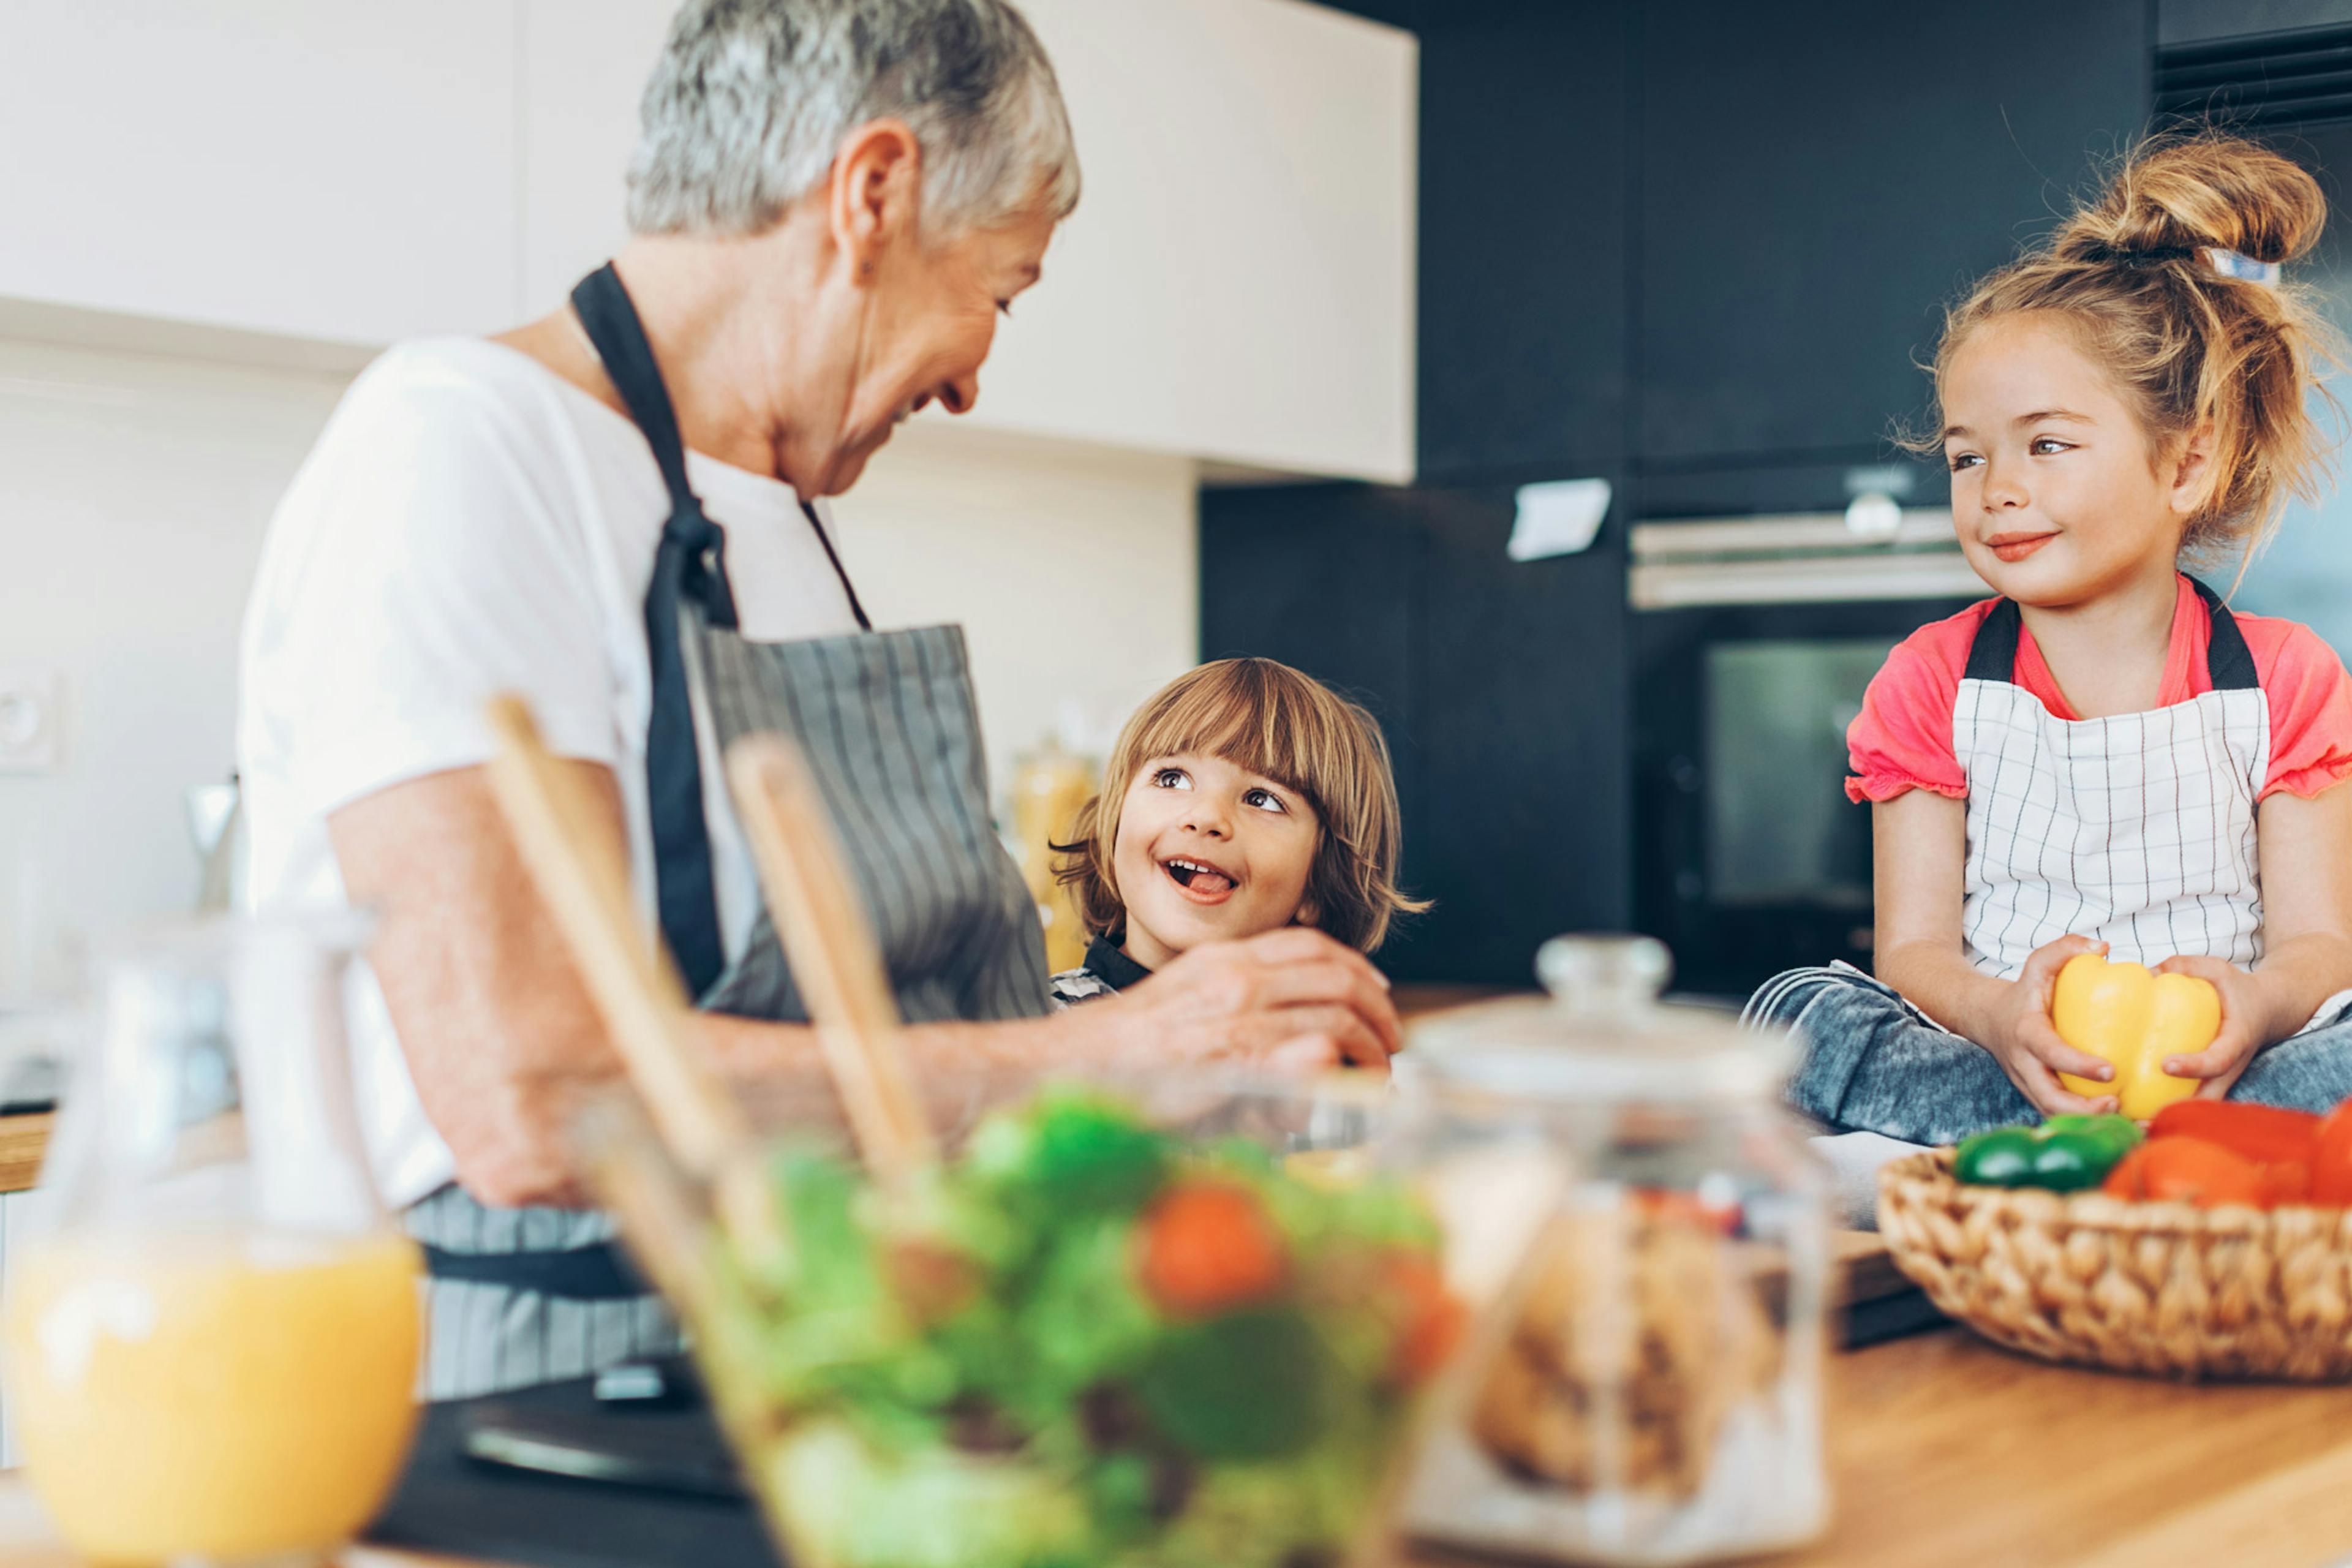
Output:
(577, 856)
(826, 937)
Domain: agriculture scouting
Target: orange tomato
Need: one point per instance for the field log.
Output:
(1208, 1247)
(1434, 1319)
(2187, 1170)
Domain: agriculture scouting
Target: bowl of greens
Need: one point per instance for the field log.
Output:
(1166, 1323)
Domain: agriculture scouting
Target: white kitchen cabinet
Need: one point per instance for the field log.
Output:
(1236, 286)
(336, 170)
(1238, 280)
(1237, 283)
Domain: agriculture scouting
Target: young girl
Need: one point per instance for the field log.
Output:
(2105, 758)
(1244, 797)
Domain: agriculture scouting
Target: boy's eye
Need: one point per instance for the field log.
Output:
(2049, 446)
(1964, 460)
(1172, 778)
(1264, 799)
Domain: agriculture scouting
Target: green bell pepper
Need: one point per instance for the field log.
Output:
(2065, 1153)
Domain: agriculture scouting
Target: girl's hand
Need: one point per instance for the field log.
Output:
(2025, 1043)
(1289, 998)
(2245, 1015)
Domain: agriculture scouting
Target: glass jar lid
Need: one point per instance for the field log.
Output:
(1603, 1036)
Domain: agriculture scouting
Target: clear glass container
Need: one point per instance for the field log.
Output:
(1647, 1389)
(1161, 1320)
(211, 1356)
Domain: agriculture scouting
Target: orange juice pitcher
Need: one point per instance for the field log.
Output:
(212, 1357)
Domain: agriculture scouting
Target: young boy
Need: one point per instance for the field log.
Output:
(1242, 799)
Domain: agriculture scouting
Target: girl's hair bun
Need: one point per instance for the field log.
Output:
(2180, 194)
(2194, 347)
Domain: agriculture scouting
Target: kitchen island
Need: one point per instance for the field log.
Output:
(1947, 1453)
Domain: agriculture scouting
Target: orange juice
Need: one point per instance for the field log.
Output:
(244, 1396)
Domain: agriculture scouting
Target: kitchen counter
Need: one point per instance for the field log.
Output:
(1947, 1453)
(23, 1144)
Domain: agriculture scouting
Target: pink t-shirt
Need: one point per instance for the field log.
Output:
(1903, 739)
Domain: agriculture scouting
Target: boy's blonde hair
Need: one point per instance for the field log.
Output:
(2189, 344)
(1276, 723)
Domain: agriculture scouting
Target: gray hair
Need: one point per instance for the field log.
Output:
(752, 99)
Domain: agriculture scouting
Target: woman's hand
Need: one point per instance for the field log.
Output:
(1293, 998)
(2248, 1008)
(2017, 1030)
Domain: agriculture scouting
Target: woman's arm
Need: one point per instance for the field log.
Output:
(2306, 848)
(503, 1042)
(1920, 885)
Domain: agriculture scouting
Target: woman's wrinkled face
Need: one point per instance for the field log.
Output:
(2057, 495)
(1207, 850)
(929, 317)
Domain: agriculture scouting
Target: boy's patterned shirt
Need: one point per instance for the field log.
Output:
(1105, 972)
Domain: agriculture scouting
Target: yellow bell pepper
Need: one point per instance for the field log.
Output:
(2134, 1019)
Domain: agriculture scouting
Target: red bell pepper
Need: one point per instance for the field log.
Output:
(2262, 1133)
(2331, 1162)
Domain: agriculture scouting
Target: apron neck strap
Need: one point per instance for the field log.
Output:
(2226, 658)
(1993, 655)
(618, 335)
(2228, 661)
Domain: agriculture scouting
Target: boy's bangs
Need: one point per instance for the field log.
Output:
(1232, 718)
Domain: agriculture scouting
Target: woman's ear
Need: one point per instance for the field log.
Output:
(1307, 915)
(2193, 473)
(873, 191)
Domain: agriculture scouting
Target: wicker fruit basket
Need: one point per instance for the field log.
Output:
(2157, 1287)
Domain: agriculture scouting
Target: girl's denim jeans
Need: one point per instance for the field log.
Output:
(1871, 1062)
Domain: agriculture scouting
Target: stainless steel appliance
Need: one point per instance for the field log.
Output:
(1753, 642)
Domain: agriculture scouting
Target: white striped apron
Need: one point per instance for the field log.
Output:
(2136, 830)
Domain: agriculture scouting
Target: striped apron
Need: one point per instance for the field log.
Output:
(889, 724)
(2136, 830)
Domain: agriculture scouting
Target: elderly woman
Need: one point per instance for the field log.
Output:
(610, 511)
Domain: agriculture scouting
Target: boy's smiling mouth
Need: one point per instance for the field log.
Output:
(1199, 880)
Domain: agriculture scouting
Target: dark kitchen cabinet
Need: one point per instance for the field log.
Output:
(1525, 187)
(1500, 685)
(1525, 826)
(2187, 22)
(1815, 180)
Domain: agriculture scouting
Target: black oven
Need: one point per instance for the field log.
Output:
(1751, 652)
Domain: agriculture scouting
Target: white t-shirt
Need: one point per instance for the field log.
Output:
(470, 523)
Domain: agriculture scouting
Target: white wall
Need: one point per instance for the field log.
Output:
(133, 493)
(1074, 570)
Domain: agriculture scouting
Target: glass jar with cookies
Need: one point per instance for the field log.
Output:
(1648, 1388)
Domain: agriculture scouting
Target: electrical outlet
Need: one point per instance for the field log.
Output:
(31, 700)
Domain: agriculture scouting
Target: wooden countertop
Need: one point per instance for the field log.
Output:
(23, 1144)
(1947, 1453)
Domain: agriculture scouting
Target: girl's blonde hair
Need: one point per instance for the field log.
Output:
(1280, 724)
(2192, 346)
